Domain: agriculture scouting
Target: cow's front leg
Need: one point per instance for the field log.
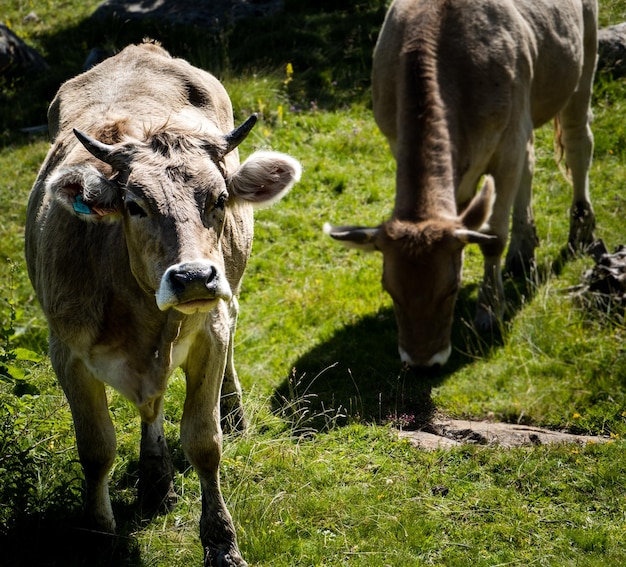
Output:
(520, 259)
(201, 438)
(156, 472)
(231, 405)
(512, 169)
(95, 434)
(491, 300)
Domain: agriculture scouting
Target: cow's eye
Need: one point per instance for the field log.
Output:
(220, 202)
(135, 210)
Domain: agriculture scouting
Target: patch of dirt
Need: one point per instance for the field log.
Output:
(448, 433)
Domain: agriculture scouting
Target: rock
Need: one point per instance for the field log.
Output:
(448, 433)
(30, 18)
(211, 14)
(17, 58)
(612, 50)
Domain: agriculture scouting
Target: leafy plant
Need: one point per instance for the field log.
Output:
(10, 356)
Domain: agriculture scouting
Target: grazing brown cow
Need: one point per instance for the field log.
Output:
(458, 87)
(138, 230)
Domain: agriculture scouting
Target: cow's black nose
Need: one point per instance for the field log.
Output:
(193, 278)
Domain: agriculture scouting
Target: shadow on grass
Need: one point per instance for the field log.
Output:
(54, 540)
(357, 374)
(58, 534)
(329, 45)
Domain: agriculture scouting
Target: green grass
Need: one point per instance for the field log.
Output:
(320, 478)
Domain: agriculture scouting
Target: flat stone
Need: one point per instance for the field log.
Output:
(447, 433)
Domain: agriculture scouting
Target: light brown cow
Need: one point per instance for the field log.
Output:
(458, 87)
(138, 230)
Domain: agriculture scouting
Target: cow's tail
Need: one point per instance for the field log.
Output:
(559, 150)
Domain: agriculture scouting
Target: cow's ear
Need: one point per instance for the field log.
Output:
(86, 193)
(264, 178)
(359, 237)
(479, 209)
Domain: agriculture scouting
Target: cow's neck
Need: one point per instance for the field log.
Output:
(424, 178)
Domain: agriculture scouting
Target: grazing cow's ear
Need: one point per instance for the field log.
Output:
(359, 237)
(264, 178)
(86, 193)
(479, 209)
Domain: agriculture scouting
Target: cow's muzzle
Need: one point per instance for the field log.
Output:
(192, 286)
(437, 359)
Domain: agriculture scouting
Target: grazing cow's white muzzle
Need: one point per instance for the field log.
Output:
(439, 358)
(192, 286)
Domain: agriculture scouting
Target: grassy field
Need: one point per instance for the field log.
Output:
(320, 478)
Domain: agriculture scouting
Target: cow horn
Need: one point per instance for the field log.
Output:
(473, 237)
(361, 237)
(238, 135)
(104, 152)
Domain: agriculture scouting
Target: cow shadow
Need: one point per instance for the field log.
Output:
(329, 52)
(58, 534)
(357, 375)
(58, 540)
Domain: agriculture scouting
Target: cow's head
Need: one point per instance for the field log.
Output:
(171, 194)
(422, 264)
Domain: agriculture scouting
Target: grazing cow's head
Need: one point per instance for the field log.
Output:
(422, 264)
(171, 193)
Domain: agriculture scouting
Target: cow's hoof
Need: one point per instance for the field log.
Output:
(100, 524)
(520, 259)
(234, 419)
(486, 320)
(520, 265)
(156, 501)
(220, 558)
(156, 492)
(582, 227)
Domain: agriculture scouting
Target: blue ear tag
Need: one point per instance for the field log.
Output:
(80, 207)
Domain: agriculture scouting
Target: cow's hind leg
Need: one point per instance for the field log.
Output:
(574, 132)
(578, 144)
(156, 472)
(95, 434)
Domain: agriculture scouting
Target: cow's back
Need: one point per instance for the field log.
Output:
(492, 63)
(143, 81)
